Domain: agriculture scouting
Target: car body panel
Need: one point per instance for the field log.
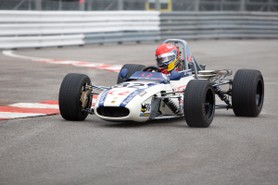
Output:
(137, 96)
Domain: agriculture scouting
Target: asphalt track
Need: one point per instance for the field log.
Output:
(48, 150)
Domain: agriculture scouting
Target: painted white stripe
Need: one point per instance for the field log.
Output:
(65, 62)
(10, 115)
(35, 105)
(109, 67)
(10, 53)
(114, 68)
(86, 65)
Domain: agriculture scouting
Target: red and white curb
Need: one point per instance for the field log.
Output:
(102, 66)
(24, 110)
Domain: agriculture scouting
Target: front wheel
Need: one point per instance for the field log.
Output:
(127, 70)
(199, 103)
(74, 97)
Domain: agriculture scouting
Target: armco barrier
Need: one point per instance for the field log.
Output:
(20, 29)
(217, 25)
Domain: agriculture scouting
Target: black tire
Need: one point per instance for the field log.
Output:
(69, 97)
(247, 93)
(131, 68)
(199, 103)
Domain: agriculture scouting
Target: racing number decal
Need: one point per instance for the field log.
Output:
(131, 85)
(139, 88)
(147, 75)
(112, 92)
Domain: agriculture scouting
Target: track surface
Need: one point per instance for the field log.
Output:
(49, 150)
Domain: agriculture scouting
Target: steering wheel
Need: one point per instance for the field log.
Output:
(151, 68)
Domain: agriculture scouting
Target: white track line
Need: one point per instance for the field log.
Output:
(108, 67)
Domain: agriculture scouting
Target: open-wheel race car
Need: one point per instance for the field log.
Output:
(143, 93)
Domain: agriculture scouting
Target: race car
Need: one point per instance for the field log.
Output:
(143, 93)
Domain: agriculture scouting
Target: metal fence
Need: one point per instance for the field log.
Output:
(217, 25)
(23, 29)
(64, 5)
(173, 5)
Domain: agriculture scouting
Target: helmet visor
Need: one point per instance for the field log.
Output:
(164, 59)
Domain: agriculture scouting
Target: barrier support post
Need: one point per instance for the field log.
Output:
(38, 4)
(196, 5)
(242, 5)
(120, 5)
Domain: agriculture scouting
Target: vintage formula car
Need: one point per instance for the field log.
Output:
(143, 93)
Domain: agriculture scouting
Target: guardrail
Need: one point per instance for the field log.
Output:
(218, 25)
(21, 29)
(42, 29)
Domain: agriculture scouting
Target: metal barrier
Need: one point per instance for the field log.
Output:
(41, 29)
(217, 25)
(21, 29)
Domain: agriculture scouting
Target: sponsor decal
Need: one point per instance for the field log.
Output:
(142, 93)
(114, 99)
(189, 58)
(144, 114)
(145, 108)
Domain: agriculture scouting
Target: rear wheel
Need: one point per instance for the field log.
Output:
(248, 93)
(74, 97)
(199, 103)
(127, 70)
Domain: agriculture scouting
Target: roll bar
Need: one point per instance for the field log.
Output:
(187, 54)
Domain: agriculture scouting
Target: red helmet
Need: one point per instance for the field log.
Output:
(167, 56)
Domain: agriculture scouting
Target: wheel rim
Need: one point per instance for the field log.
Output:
(87, 102)
(209, 104)
(259, 94)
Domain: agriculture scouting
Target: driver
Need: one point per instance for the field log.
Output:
(168, 58)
